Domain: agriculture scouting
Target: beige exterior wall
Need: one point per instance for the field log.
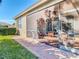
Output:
(32, 30)
(22, 30)
(16, 23)
(30, 16)
(32, 24)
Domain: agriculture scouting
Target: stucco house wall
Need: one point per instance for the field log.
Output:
(30, 16)
(32, 21)
(29, 26)
(22, 26)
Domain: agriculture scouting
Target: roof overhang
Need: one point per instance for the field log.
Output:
(39, 3)
(30, 8)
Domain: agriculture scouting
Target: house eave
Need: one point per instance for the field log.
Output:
(37, 6)
(30, 8)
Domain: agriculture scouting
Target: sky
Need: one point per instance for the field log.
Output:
(10, 8)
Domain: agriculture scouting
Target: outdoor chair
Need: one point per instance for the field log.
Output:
(51, 39)
(76, 43)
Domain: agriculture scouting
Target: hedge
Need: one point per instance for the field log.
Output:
(7, 31)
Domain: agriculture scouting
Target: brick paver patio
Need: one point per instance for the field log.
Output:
(42, 50)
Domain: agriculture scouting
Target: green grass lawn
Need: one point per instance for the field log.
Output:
(9, 49)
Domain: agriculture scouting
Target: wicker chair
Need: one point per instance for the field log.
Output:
(51, 39)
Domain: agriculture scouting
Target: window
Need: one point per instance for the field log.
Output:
(19, 23)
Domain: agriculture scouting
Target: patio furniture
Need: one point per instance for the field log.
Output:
(51, 40)
(73, 43)
(76, 43)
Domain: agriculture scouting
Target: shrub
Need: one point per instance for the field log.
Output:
(7, 31)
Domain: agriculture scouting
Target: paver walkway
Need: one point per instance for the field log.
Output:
(42, 50)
